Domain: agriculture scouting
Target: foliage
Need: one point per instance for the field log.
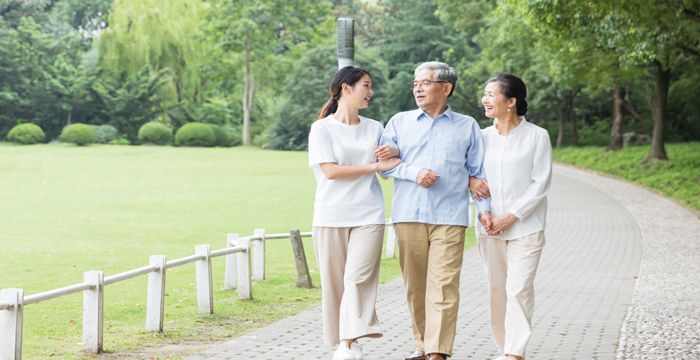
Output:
(160, 35)
(129, 100)
(38, 76)
(79, 134)
(195, 134)
(104, 134)
(154, 132)
(679, 177)
(226, 136)
(26, 134)
(294, 113)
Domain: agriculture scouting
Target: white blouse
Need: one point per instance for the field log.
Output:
(518, 169)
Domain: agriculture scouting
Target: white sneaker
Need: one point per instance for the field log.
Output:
(357, 351)
(342, 352)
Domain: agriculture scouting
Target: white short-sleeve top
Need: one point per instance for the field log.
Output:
(345, 202)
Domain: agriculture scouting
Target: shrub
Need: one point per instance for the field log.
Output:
(26, 134)
(79, 134)
(195, 134)
(105, 133)
(120, 141)
(155, 133)
(226, 136)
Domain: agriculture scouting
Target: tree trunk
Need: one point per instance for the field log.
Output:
(616, 129)
(658, 112)
(69, 120)
(566, 113)
(247, 95)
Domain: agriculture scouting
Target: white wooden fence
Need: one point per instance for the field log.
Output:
(245, 261)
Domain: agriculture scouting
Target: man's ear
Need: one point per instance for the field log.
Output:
(448, 89)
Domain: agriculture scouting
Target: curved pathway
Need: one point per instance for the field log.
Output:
(587, 306)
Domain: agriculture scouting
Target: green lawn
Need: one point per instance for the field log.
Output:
(67, 209)
(678, 178)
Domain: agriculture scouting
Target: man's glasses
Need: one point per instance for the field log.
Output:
(425, 83)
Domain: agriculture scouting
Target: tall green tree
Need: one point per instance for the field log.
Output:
(660, 34)
(161, 35)
(258, 31)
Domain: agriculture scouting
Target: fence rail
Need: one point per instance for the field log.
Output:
(245, 261)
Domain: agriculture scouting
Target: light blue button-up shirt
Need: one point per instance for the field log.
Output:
(451, 146)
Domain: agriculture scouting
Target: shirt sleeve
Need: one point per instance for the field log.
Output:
(475, 153)
(540, 180)
(320, 146)
(403, 171)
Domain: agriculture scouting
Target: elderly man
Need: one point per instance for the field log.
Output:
(439, 149)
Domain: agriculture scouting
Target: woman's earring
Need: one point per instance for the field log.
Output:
(508, 109)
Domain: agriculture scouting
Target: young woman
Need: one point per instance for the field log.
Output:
(518, 167)
(348, 222)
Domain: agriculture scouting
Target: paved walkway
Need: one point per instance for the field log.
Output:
(585, 286)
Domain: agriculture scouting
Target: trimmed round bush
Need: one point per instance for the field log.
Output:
(195, 134)
(79, 134)
(155, 132)
(26, 134)
(225, 135)
(105, 133)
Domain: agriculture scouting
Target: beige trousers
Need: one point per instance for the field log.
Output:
(348, 260)
(511, 266)
(431, 259)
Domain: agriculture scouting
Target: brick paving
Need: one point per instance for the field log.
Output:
(584, 287)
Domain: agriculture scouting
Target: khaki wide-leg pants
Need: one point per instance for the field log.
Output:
(431, 259)
(511, 266)
(348, 260)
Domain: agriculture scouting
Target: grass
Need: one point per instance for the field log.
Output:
(67, 209)
(678, 178)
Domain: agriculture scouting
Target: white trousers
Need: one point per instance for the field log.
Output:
(511, 266)
(348, 260)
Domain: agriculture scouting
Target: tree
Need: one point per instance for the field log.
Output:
(658, 34)
(260, 30)
(161, 35)
(129, 100)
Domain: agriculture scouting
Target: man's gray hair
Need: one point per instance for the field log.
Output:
(443, 72)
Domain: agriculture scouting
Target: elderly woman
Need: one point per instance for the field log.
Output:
(518, 167)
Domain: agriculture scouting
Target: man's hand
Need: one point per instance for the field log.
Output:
(388, 164)
(386, 152)
(479, 188)
(426, 178)
(501, 223)
(486, 221)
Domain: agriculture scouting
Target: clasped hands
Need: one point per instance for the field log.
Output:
(387, 157)
(493, 226)
(499, 224)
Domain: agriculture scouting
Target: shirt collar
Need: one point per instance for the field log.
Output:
(447, 114)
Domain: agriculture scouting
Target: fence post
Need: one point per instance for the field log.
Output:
(259, 255)
(303, 277)
(390, 241)
(205, 297)
(155, 302)
(245, 288)
(11, 324)
(93, 311)
(230, 272)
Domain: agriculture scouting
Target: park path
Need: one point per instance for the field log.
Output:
(590, 303)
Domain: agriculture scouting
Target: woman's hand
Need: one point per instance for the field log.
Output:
(388, 164)
(501, 223)
(479, 188)
(385, 152)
